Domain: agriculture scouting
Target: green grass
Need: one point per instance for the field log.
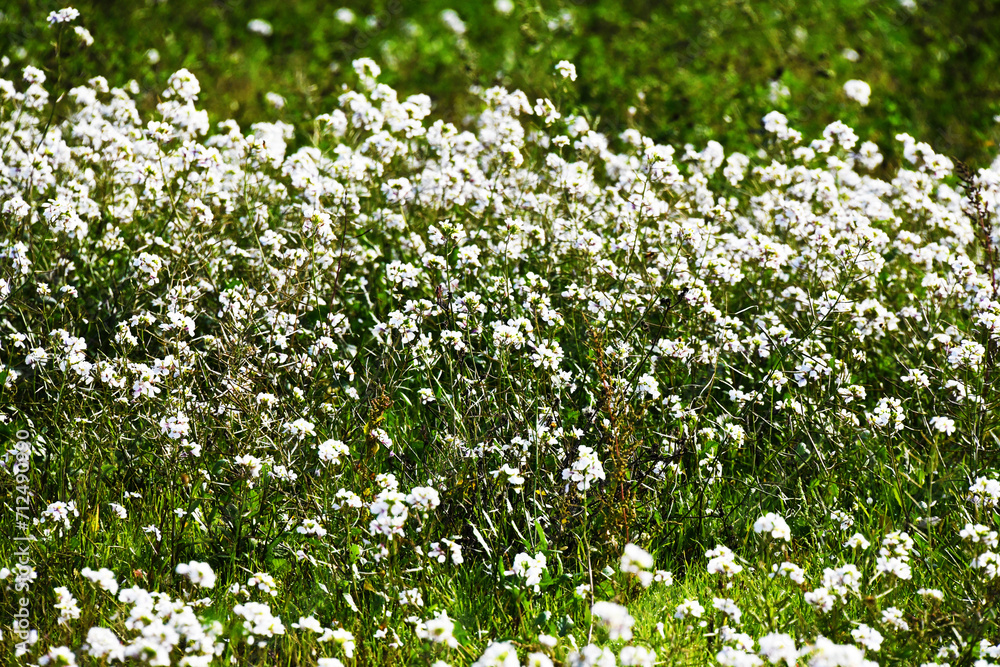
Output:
(692, 71)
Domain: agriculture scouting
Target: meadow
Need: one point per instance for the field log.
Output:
(369, 356)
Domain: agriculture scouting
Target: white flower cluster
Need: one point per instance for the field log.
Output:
(528, 569)
(586, 470)
(461, 308)
(773, 525)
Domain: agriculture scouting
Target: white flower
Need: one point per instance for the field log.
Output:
(529, 569)
(453, 21)
(265, 582)
(985, 492)
(734, 657)
(104, 578)
(63, 16)
(150, 265)
(566, 69)
(932, 593)
(648, 386)
(639, 656)
(722, 561)
(258, 620)
(200, 574)
(615, 618)
(825, 653)
(83, 35)
(423, 498)
(439, 630)
(945, 425)
(976, 533)
(308, 623)
(184, 85)
(859, 91)
(776, 647)
(175, 426)
(821, 599)
(856, 541)
(512, 476)
(275, 100)
(501, 654)
(868, 637)
(729, 608)
(893, 617)
(895, 566)
(60, 656)
(66, 605)
(591, 656)
(103, 644)
(773, 524)
(300, 428)
(261, 27)
(586, 470)
(382, 437)
(636, 560)
(331, 451)
(664, 577)
(345, 498)
(790, 570)
(60, 512)
(988, 562)
(311, 527)
(535, 660)
(689, 608)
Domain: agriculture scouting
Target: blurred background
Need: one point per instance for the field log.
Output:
(678, 71)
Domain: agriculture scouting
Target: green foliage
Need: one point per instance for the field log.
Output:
(680, 71)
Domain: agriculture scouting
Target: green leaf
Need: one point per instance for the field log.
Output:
(542, 541)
